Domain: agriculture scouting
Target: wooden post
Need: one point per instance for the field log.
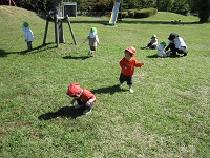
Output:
(72, 34)
(58, 22)
(56, 30)
(46, 28)
(60, 29)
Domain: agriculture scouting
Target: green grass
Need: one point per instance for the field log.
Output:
(167, 116)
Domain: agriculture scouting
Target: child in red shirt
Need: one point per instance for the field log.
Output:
(83, 97)
(127, 65)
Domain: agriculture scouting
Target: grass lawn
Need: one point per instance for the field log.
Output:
(167, 116)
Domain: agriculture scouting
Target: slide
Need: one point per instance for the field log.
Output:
(115, 11)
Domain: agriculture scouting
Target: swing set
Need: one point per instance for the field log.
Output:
(8, 2)
(58, 19)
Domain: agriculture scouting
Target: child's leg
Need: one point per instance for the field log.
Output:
(88, 108)
(31, 46)
(28, 45)
(129, 82)
(130, 88)
(79, 104)
(122, 79)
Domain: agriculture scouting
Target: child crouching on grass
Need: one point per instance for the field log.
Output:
(127, 65)
(83, 97)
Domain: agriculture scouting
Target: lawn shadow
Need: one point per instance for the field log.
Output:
(135, 21)
(76, 57)
(37, 49)
(2, 53)
(156, 56)
(65, 111)
(110, 89)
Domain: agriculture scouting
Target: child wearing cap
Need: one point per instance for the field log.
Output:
(153, 43)
(93, 40)
(28, 35)
(83, 97)
(161, 50)
(127, 65)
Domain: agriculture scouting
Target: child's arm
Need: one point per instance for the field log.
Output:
(138, 64)
(91, 100)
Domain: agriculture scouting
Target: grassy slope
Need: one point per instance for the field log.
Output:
(167, 116)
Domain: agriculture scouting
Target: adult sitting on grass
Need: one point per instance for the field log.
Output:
(153, 43)
(176, 45)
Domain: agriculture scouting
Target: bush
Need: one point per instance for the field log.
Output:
(141, 13)
(124, 14)
(130, 14)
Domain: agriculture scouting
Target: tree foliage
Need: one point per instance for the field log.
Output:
(201, 7)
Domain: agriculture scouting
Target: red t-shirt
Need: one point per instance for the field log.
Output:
(127, 66)
(86, 95)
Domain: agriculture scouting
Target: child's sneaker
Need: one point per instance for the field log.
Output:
(90, 53)
(87, 111)
(130, 90)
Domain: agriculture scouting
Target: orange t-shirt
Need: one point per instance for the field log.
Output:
(86, 95)
(127, 66)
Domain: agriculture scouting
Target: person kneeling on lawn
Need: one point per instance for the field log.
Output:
(176, 45)
(83, 97)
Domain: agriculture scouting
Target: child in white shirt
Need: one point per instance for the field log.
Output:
(93, 40)
(28, 35)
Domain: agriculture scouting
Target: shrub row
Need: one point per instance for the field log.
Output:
(139, 13)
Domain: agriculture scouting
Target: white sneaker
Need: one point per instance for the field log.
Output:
(131, 91)
(86, 112)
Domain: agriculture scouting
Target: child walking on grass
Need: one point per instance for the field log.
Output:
(28, 35)
(82, 97)
(127, 65)
(93, 40)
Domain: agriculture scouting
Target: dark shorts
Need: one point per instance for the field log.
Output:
(29, 45)
(93, 48)
(82, 104)
(124, 78)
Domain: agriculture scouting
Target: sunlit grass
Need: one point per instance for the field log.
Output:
(167, 116)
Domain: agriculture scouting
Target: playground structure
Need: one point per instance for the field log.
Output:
(115, 12)
(7, 2)
(58, 18)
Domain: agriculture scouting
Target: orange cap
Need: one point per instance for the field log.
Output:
(131, 50)
(74, 90)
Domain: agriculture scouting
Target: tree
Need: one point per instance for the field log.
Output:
(202, 7)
